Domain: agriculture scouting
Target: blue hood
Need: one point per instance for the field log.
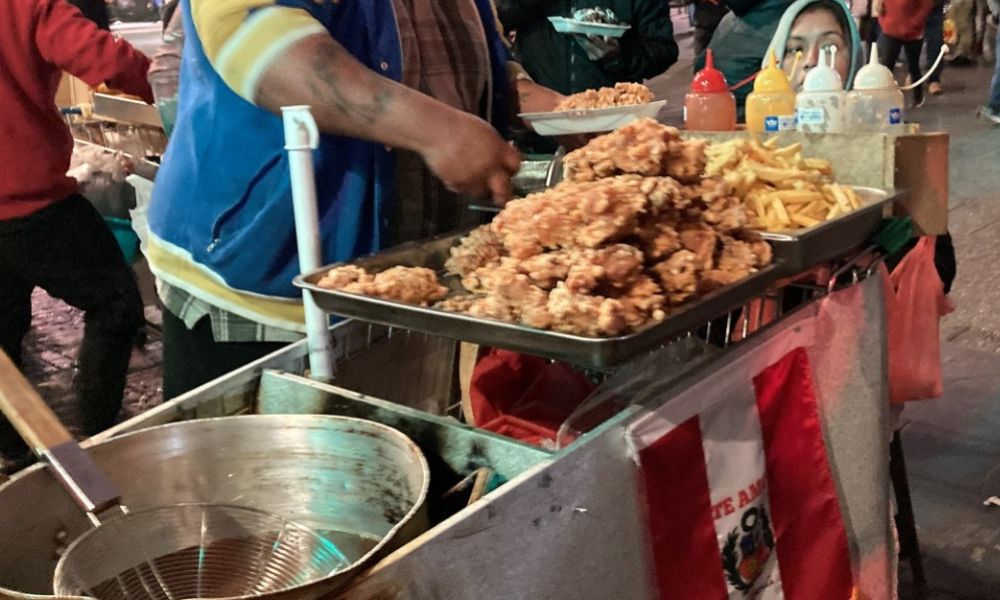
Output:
(780, 39)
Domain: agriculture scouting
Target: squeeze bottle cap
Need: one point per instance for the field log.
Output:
(709, 80)
(771, 79)
(874, 76)
(823, 77)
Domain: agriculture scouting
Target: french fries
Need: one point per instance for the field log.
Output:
(779, 186)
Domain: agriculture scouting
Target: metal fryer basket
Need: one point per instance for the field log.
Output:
(194, 551)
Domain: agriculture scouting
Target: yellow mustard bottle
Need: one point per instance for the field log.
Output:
(771, 105)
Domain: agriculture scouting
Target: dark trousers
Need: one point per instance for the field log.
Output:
(192, 357)
(67, 250)
(934, 36)
(889, 49)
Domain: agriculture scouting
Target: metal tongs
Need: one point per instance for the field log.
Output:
(553, 175)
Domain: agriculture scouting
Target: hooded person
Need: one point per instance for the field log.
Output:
(740, 41)
(810, 26)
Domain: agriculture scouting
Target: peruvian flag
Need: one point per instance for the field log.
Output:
(737, 485)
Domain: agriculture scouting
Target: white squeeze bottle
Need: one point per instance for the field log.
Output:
(876, 102)
(822, 105)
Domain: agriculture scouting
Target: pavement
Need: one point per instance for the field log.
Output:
(952, 444)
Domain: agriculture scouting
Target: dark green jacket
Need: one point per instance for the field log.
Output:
(742, 38)
(555, 60)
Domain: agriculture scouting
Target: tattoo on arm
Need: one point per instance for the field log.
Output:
(327, 83)
(323, 79)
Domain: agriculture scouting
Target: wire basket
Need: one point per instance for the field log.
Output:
(136, 140)
(194, 551)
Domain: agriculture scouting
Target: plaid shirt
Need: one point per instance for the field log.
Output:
(226, 326)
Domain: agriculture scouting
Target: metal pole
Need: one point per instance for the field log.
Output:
(301, 138)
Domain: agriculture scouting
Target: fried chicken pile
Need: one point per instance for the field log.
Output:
(413, 285)
(632, 234)
(607, 253)
(623, 94)
(643, 147)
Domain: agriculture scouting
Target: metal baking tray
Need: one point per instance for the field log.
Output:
(800, 250)
(599, 353)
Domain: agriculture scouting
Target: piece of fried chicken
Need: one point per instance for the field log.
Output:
(678, 276)
(622, 94)
(587, 214)
(340, 278)
(736, 260)
(413, 285)
(644, 302)
(616, 266)
(479, 249)
(510, 295)
(643, 147)
(585, 314)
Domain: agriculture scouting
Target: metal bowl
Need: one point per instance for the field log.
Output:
(361, 484)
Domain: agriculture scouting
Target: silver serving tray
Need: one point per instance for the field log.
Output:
(595, 352)
(802, 249)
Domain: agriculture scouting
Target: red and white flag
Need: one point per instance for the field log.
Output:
(739, 494)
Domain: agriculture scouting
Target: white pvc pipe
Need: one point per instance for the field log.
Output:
(301, 138)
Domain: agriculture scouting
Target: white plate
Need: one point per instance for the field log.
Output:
(594, 120)
(564, 25)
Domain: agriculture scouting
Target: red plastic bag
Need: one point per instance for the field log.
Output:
(915, 303)
(524, 397)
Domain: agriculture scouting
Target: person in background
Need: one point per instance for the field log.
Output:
(740, 43)
(705, 16)
(867, 24)
(992, 109)
(95, 10)
(573, 63)
(934, 40)
(50, 236)
(409, 97)
(963, 14)
(902, 23)
(811, 26)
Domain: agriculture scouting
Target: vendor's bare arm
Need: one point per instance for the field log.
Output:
(349, 99)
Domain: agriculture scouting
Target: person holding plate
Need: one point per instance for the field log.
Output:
(574, 62)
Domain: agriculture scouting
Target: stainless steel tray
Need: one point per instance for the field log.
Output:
(593, 352)
(798, 251)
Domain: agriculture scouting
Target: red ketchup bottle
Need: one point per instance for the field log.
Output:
(709, 106)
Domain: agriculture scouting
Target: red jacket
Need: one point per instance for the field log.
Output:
(38, 40)
(905, 19)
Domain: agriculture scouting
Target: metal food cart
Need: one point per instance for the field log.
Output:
(567, 522)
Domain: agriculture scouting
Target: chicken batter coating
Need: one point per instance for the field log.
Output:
(622, 94)
(643, 147)
(479, 249)
(413, 285)
(586, 214)
(586, 315)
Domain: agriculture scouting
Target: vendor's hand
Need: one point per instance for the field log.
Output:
(573, 141)
(598, 47)
(470, 158)
(534, 98)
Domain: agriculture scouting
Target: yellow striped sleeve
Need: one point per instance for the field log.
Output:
(242, 38)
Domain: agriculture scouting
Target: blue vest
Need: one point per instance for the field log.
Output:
(223, 193)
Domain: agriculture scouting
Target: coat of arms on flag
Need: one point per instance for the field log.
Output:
(747, 549)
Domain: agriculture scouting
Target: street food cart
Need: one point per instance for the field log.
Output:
(624, 504)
